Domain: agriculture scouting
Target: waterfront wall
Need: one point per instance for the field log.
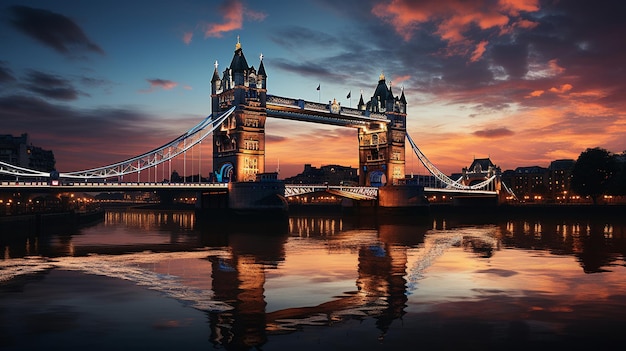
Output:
(398, 196)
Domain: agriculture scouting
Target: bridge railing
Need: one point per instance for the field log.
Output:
(360, 192)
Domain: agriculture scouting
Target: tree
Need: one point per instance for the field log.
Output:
(593, 173)
(618, 186)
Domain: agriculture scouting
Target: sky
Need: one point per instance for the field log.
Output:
(524, 82)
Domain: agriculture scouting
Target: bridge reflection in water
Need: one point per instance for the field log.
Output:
(258, 280)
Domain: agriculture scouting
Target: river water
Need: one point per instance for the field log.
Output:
(160, 280)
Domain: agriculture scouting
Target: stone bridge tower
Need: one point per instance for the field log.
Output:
(239, 145)
(381, 145)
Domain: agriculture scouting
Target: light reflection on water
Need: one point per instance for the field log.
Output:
(257, 281)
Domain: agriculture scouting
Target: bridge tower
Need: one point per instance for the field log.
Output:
(381, 145)
(239, 145)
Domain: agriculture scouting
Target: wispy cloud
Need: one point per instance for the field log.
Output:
(51, 86)
(187, 37)
(53, 30)
(233, 12)
(6, 75)
(157, 83)
(494, 133)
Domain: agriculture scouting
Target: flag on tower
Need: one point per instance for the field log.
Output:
(318, 87)
(349, 94)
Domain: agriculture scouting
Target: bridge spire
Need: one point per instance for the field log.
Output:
(262, 67)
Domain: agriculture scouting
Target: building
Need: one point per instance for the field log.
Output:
(20, 152)
(529, 183)
(540, 184)
(559, 176)
(329, 174)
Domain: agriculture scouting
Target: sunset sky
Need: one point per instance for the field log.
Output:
(524, 82)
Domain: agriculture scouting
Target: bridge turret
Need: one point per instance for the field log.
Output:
(361, 105)
(378, 102)
(402, 103)
(239, 65)
(262, 76)
(216, 88)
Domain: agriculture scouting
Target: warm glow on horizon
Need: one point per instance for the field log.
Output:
(473, 87)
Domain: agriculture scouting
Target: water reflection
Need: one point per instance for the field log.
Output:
(255, 280)
(597, 244)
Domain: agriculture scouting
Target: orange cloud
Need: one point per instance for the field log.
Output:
(479, 51)
(187, 37)
(562, 89)
(453, 18)
(536, 93)
(233, 12)
(399, 79)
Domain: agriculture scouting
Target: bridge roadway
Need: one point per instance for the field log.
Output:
(353, 192)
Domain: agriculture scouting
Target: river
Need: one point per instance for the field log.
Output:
(164, 280)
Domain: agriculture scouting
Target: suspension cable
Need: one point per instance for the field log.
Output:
(159, 155)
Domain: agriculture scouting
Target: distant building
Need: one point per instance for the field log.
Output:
(20, 152)
(540, 184)
(529, 183)
(559, 177)
(330, 174)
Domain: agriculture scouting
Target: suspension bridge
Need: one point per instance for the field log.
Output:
(240, 105)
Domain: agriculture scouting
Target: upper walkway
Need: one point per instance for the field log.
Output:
(331, 114)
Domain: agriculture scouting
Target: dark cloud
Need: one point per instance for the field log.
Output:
(53, 30)
(512, 57)
(494, 133)
(51, 86)
(275, 138)
(6, 76)
(309, 69)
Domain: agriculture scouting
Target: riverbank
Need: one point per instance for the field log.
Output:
(617, 211)
(43, 222)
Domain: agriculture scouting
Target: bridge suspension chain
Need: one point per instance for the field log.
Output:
(13, 170)
(157, 156)
(442, 177)
(432, 168)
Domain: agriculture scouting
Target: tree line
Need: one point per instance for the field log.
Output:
(598, 172)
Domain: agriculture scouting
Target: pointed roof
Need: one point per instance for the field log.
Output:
(239, 63)
(481, 164)
(262, 68)
(216, 75)
(402, 98)
(381, 91)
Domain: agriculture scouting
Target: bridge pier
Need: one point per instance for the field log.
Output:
(264, 198)
(402, 199)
